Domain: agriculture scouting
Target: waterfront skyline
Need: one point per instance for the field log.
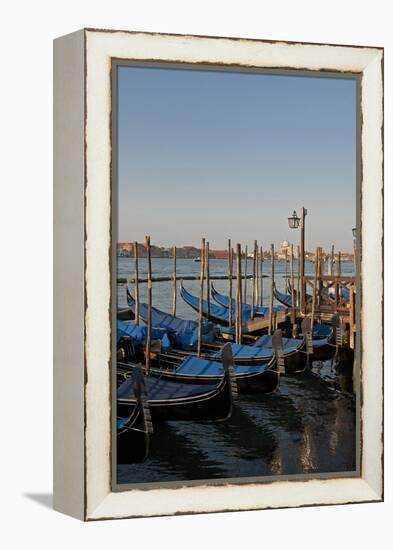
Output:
(229, 155)
(191, 251)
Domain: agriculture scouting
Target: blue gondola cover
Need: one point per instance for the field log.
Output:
(182, 333)
(137, 333)
(223, 300)
(159, 389)
(196, 366)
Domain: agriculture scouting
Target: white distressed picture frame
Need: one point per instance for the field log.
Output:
(82, 241)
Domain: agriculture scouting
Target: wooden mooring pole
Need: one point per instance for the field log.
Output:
(337, 290)
(240, 297)
(149, 304)
(271, 288)
(207, 277)
(303, 213)
(331, 264)
(254, 262)
(257, 281)
(230, 267)
(245, 274)
(320, 275)
(314, 290)
(293, 302)
(298, 277)
(174, 283)
(200, 316)
(136, 284)
(261, 276)
(238, 294)
(292, 280)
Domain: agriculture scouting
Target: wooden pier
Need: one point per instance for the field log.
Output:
(333, 295)
(259, 324)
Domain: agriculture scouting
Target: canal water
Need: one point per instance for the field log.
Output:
(307, 426)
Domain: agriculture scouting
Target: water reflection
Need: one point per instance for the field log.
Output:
(308, 426)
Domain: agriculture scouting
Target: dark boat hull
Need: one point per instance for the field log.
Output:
(345, 359)
(284, 299)
(215, 404)
(224, 301)
(296, 361)
(261, 382)
(208, 315)
(323, 353)
(133, 440)
(209, 352)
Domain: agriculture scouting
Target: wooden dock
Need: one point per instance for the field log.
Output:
(264, 323)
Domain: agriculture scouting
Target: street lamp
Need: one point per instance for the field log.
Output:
(295, 222)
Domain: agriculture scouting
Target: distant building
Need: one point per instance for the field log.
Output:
(191, 251)
(284, 250)
(219, 254)
(125, 249)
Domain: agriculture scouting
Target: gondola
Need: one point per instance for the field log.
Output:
(323, 349)
(181, 344)
(322, 331)
(284, 298)
(308, 296)
(250, 355)
(322, 340)
(329, 293)
(322, 334)
(244, 355)
(183, 333)
(224, 300)
(250, 378)
(262, 378)
(213, 312)
(294, 352)
(174, 400)
(137, 333)
(134, 426)
(343, 293)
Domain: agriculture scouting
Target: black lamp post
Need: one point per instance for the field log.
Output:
(295, 222)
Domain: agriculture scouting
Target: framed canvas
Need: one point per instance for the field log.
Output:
(193, 374)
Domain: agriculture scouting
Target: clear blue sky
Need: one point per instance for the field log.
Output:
(220, 154)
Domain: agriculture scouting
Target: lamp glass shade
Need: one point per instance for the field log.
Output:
(294, 221)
